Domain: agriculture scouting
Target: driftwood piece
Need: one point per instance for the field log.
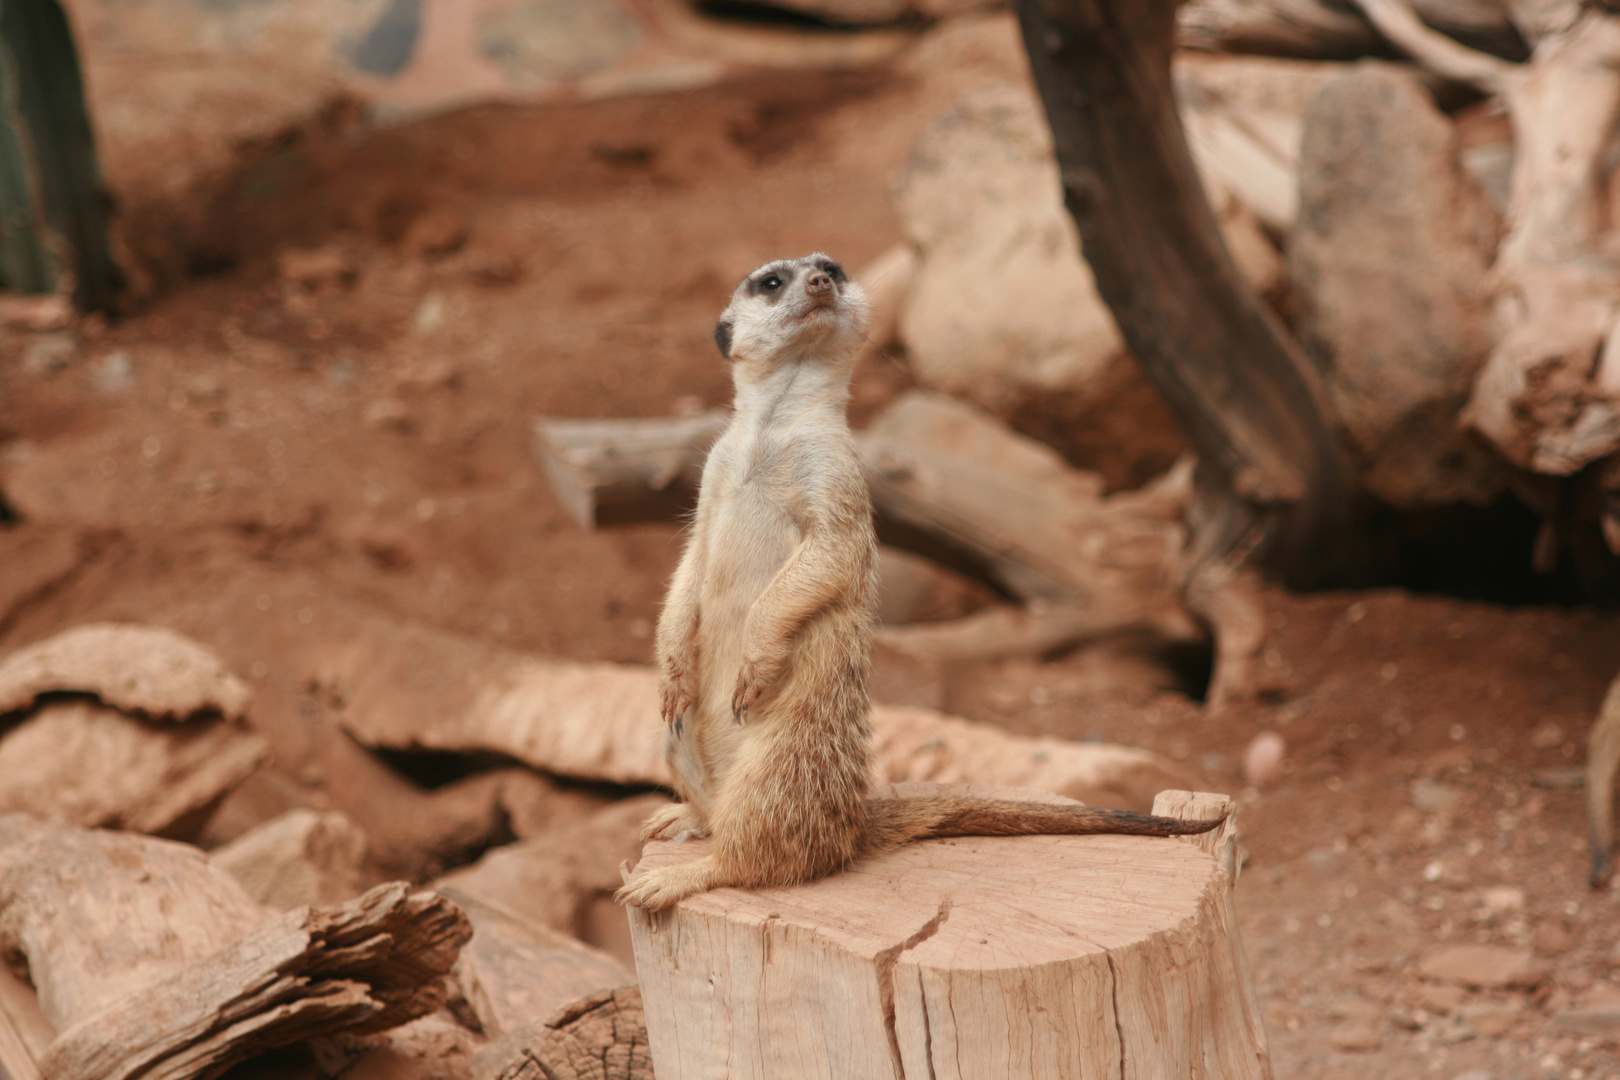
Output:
(556, 1008)
(608, 471)
(1602, 767)
(153, 963)
(911, 964)
(139, 669)
(602, 1037)
(1321, 28)
(1250, 403)
(95, 766)
(408, 688)
(301, 857)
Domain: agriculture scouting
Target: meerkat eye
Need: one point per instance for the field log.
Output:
(771, 283)
(834, 271)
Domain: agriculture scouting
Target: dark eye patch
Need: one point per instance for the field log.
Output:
(722, 337)
(834, 271)
(770, 282)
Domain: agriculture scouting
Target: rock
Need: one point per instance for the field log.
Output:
(1390, 257)
(1263, 759)
(302, 857)
(1433, 797)
(1441, 999)
(1597, 1012)
(1486, 966)
(1356, 1038)
(1491, 1019)
(1003, 310)
(1501, 899)
(47, 353)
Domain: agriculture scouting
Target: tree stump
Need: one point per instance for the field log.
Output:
(1040, 956)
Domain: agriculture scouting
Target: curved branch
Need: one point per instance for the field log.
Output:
(1443, 55)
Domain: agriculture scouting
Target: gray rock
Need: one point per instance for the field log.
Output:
(1389, 256)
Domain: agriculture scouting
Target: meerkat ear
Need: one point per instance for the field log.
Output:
(722, 337)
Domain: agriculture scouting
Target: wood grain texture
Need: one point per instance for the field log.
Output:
(961, 958)
(410, 687)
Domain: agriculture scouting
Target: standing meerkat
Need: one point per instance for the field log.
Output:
(763, 640)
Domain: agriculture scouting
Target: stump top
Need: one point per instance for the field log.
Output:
(977, 903)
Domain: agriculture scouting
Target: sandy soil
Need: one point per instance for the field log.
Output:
(286, 426)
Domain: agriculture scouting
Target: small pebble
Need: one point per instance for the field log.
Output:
(1263, 759)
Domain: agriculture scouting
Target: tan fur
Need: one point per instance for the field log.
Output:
(764, 635)
(1602, 763)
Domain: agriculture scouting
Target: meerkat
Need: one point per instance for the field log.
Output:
(763, 639)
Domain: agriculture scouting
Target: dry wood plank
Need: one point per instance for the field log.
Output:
(153, 963)
(608, 471)
(407, 687)
(911, 964)
(138, 669)
(93, 765)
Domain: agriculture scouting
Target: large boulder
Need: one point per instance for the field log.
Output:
(1390, 257)
(1003, 310)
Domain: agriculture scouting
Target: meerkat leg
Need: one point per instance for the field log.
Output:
(826, 567)
(667, 886)
(681, 821)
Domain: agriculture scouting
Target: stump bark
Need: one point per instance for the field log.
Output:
(1039, 956)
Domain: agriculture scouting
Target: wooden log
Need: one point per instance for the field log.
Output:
(609, 471)
(1320, 28)
(146, 670)
(151, 962)
(603, 1037)
(407, 687)
(1249, 401)
(925, 962)
(95, 766)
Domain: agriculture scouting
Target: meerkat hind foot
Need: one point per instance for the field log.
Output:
(679, 821)
(669, 885)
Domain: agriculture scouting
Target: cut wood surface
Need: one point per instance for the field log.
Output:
(139, 669)
(603, 1037)
(151, 962)
(93, 765)
(918, 964)
(408, 687)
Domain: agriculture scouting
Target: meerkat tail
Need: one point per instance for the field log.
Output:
(892, 822)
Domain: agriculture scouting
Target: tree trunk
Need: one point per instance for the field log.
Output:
(1249, 401)
(965, 958)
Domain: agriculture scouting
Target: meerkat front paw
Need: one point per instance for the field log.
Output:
(678, 822)
(755, 677)
(665, 887)
(677, 697)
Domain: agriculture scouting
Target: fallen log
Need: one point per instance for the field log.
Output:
(606, 472)
(151, 962)
(411, 688)
(136, 730)
(145, 670)
(301, 857)
(909, 964)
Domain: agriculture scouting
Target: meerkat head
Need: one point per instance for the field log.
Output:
(793, 310)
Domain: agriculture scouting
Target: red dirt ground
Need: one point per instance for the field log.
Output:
(249, 439)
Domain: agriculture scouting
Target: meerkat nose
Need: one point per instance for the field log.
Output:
(818, 283)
